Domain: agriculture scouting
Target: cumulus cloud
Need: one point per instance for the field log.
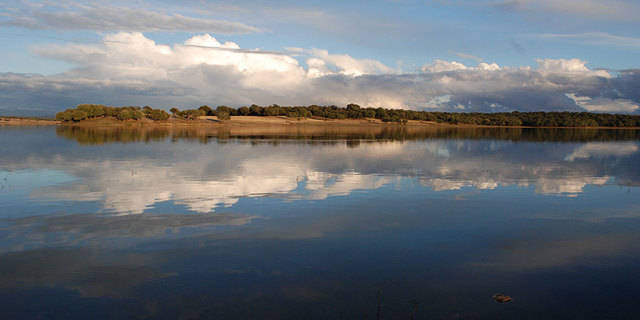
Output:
(443, 66)
(346, 64)
(129, 68)
(45, 16)
(562, 65)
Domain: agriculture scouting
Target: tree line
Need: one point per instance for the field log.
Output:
(91, 111)
(354, 111)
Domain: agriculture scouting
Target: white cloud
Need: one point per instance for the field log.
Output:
(488, 67)
(562, 65)
(569, 66)
(350, 66)
(443, 66)
(447, 66)
(321, 61)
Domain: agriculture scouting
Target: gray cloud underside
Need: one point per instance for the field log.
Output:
(523, 90)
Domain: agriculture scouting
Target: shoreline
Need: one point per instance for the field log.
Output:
(258, 121)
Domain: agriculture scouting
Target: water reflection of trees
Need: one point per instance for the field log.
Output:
(331, 135)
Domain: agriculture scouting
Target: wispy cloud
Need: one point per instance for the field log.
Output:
(596, 9)
(468, 56)
(110, 18)
(594, 38)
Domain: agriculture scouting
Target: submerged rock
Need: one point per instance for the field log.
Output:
(501, 298)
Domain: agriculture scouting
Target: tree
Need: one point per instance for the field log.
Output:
(66, 115)
(158, 115)
(78, 115)
(125, 114)
(174, 111)
(244, 111)
(370, 113)
(353, 107)
(256, 110)
(207, 111)
(226, 109)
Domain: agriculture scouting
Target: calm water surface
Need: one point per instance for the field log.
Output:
(319, 223)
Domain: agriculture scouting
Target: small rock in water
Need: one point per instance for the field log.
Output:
(501, 298)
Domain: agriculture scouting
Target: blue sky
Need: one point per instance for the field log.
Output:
(375, 53)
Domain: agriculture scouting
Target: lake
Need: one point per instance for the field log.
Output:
(319, 223)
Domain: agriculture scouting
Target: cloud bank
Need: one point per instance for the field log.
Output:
(128, 68)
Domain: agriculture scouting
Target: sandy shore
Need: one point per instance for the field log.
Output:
(18, 121)
(244, 121)
(251, 122)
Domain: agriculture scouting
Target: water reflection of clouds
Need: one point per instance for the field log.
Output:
(603, 149)
(218, 175)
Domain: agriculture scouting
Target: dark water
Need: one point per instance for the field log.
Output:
(319, 223)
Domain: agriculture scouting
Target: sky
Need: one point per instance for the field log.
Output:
(458, 55)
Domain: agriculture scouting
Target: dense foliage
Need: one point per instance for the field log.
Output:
(353, 111)
(92, 111)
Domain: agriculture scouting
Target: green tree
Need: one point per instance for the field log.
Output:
(157, 115)
(207, 111)
(78, 115)
(125, 114)
(244, 111)
(66, 115)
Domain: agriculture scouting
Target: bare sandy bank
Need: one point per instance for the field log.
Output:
(243, 121)
(254, 123)
(17, 121)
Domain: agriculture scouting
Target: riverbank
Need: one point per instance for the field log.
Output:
(270, 122)
(20, 121)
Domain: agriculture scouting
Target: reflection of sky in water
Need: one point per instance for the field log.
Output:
(240, 229)
(132, 178)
